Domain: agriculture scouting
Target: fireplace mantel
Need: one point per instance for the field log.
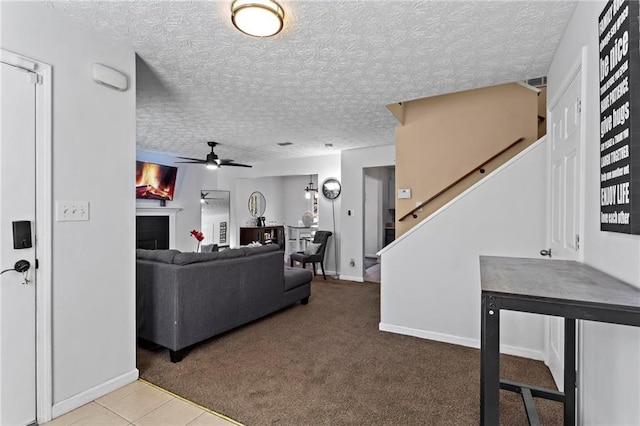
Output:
(162, 211)
(156, 211)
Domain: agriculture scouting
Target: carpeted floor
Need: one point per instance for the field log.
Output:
(327, 363)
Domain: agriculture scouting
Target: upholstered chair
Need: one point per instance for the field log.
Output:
(314, 253)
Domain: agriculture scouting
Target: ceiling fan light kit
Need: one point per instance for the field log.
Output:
(257, 18)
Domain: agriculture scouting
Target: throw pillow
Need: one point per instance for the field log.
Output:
(208, 248)
(312, 248)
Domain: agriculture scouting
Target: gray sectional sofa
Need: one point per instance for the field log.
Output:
(185, 298)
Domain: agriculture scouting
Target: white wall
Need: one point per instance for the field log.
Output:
(611, 381)
(189, 182)
(431, 275)
(271, 188)
(352, 239)
(93, 287)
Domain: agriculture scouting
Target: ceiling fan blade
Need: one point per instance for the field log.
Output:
(192, 159)
(191, 162)
(231, 163)
(235, 165)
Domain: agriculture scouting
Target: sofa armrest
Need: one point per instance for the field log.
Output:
(156, 302)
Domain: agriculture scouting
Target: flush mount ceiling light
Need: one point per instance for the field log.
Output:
(257, 18)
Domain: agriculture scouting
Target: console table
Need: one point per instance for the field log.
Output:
(561, 288)
(263, 235)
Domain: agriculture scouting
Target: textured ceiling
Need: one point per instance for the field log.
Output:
(325, 79)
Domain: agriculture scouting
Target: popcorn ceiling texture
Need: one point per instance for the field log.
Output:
(325, 79)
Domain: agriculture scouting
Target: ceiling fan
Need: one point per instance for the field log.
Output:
(212, 161)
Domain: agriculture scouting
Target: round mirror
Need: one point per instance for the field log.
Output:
(257, 204)
(331, 189)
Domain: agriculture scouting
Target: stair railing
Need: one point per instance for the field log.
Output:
(479, 168)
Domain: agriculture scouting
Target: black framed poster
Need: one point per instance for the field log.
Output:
(619, 90)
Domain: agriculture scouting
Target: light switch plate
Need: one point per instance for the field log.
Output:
(404, 193)
(72, 211)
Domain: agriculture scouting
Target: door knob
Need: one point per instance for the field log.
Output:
(20, 266)
(546, 252)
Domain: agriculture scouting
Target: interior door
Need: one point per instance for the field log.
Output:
(564, 203)
(17, 296)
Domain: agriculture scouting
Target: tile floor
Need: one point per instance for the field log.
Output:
(141, 404)
(372, 274)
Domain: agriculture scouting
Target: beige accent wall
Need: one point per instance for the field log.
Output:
(542, 112)
(445, 137)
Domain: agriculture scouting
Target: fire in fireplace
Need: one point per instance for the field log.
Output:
(155, 181)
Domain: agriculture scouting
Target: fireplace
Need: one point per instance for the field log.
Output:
(156, 227)
(152, 232)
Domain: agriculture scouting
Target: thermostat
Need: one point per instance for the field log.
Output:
(404, 193)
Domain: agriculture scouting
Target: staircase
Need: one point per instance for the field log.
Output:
(476, 170)
(430, 276)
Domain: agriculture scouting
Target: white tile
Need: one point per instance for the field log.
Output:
(102, 417)
(121, 393)
(138, 403)
(84, 414)
(173, 413)
(208, 419)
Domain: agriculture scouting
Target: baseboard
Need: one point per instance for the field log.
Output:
(94, 393)
(350, 278)
(457, 340)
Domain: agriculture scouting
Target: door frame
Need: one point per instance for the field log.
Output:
(579, 65)
(43, 228)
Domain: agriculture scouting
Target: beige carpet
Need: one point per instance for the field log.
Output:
(327, 363)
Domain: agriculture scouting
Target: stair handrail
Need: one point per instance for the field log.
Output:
(480, 168)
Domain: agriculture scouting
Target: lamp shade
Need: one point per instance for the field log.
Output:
(257, 18)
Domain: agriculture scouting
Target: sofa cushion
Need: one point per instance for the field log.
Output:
(189, 258)
(250, 251)
(295, 277)
(164, 256)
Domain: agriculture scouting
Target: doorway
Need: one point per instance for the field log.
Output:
(379, 217)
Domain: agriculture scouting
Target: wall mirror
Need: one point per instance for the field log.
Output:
(331, 188)
(215, 214)
(257, 204)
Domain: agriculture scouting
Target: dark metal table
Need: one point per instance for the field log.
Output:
(561, 288)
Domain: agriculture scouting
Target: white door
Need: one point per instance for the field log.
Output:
(17, 203)
(564, 203)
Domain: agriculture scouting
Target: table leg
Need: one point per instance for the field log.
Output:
(490, 363)
(569, 372)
